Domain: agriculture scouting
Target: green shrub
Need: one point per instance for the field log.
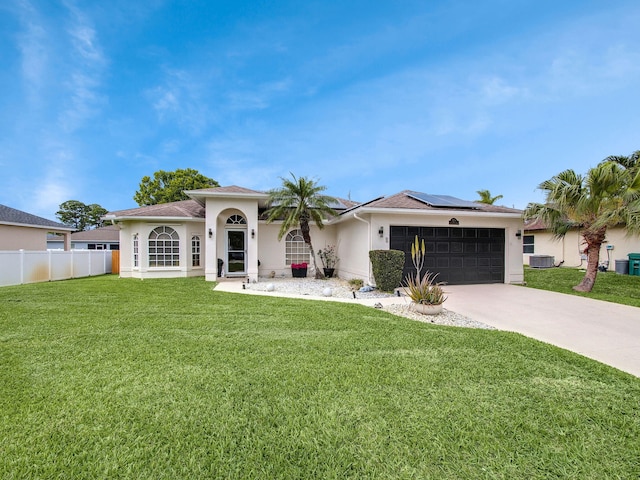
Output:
(387, 268)
(356, 283)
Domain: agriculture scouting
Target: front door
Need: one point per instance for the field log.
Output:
(236, 252)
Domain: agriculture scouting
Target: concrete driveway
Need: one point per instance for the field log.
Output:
(604, 331)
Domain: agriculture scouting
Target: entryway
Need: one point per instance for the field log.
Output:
(236, 246)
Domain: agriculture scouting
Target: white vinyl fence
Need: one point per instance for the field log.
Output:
(18, 267)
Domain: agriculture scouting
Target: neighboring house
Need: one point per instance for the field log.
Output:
(569, 250)
(23, 231)
(103, 238)
(223, 230)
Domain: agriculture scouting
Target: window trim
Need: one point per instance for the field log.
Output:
(172, 244)
(196, 251)
(136, 251)
(295, 248)
(528, 243)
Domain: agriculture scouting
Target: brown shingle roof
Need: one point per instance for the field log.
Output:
(403, 200)
(110, 233)
(184, 208)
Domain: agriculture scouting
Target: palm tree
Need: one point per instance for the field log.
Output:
(298, 202)
(485, 197)
(631, 162)
(608, 195)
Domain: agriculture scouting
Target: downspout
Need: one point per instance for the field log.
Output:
(355, 215)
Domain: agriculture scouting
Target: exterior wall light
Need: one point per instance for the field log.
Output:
(210, 233)
(518, 233)
(381, 232)
(253, 233)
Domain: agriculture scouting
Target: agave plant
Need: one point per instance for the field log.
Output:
(425, 290)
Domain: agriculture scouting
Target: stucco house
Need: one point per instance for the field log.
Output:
(223, 230)
(103, 238)
(568, 251)
(23, 231)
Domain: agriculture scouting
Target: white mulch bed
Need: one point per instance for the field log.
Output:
(342, 289)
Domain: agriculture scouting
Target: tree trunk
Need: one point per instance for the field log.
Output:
(304, 227)
(594, 241)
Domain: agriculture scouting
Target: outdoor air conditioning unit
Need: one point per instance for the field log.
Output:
(541, 261)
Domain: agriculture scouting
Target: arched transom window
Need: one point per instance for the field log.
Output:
(236, 220)
(296, 251)
(164, 247)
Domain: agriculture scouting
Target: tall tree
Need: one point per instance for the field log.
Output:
(167, 187)
(485, 197)
(299, 202)
(609, 195)
(94, 215)
(80, 216)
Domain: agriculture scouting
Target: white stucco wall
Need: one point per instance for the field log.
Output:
(185, 231)
(218, 211)
(365, 237)
(571, 247)
(272, 253)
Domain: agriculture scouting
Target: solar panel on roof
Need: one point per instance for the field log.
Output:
(442, 201)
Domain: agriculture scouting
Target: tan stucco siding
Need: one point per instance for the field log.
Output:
(570, 248)
(22, 238)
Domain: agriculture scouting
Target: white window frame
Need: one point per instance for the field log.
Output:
(296, 250)
(526, 243)
(196, 251)
(136, 251)
(163, 248)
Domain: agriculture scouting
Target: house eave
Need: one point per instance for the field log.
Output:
(42, 227)
(114, 220)
(427, 213)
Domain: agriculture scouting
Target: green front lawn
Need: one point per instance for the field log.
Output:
(609, 286)
(114, 378)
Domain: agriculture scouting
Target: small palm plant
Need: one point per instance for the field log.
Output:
(423, 289)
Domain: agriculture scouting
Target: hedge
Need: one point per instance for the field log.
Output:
(387, 268)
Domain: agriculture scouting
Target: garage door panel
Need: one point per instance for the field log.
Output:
(458, 255)
(442, 247)
(456, 262)
(442, 262)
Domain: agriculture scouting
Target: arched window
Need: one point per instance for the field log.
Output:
(296, 251)
(236, 220)
(164, 247)
(195, 251)
(136, 254)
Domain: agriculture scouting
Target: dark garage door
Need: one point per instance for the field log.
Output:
(459, 255)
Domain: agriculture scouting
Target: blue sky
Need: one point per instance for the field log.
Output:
(370, 98)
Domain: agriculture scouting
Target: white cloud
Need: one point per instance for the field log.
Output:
(33, 44)
(84, 79)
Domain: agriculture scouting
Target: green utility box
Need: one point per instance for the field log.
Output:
(634, 264)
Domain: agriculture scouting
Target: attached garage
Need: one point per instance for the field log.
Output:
(459, 255)
(466, 242)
